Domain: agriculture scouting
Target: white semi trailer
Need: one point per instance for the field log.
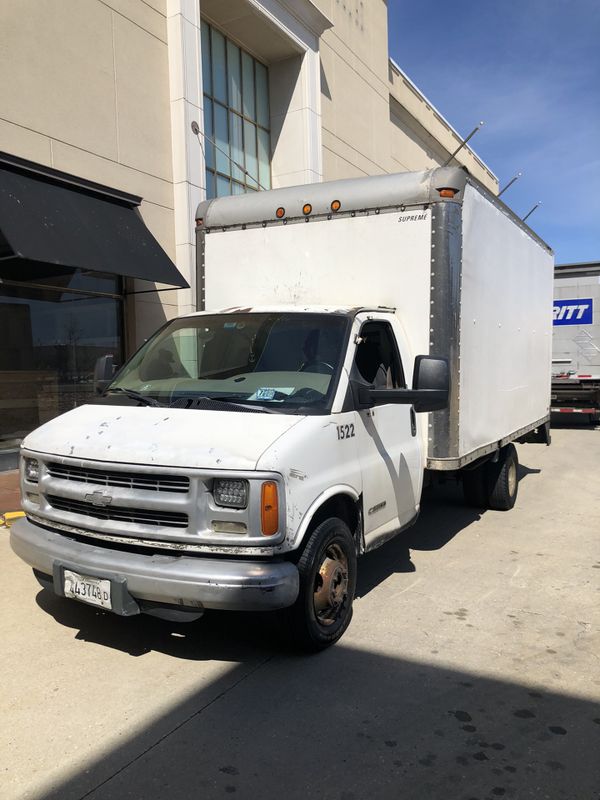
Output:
(355, 336)
(576, 340)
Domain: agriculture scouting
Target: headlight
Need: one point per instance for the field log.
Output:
(32, 470)
(230, 493)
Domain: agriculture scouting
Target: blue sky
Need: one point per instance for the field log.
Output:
(531, 70)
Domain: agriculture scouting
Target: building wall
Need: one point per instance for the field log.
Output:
(85, 89)
(374, 119)
(108, 89)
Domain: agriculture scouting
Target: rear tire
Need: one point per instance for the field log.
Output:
(327, 570)
(503, 479)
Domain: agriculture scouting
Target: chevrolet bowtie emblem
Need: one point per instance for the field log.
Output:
(99, 499)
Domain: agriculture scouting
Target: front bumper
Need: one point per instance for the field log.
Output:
(191, 582)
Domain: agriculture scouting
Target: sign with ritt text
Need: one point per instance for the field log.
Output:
(573, 312)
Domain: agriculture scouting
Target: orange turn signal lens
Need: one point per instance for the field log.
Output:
(336, 205)
(280, 213)
(306, 209)
(447, 192)
(269, 508)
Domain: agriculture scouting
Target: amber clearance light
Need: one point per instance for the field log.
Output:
(269, 508)
(280, 213)
(306, 209)
(447, 192)
(336, 205)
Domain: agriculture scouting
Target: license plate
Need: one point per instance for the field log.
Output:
(88, 589)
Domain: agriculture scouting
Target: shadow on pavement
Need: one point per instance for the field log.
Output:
(351, 724)
(574, 421)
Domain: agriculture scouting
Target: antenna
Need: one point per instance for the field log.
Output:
(529, 213)
(196, 129)
(462, 144)
(510, 183)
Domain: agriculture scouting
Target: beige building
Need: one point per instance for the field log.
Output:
(283, 92)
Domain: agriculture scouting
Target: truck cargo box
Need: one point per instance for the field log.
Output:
(467, 279)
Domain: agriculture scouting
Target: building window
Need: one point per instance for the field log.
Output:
(236, 117)
(51, 333)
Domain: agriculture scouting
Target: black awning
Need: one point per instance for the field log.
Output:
(55, 219)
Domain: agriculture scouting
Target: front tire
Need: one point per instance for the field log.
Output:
(327, 570)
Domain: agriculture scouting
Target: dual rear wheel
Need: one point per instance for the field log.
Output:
(494, 484)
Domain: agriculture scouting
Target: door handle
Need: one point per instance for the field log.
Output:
(413, 422)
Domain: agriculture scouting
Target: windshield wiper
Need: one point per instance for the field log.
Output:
(231, 400)
(149, 401)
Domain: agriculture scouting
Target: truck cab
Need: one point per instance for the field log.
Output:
(241, 437)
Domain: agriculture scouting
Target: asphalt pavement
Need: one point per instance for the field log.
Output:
(471, 670)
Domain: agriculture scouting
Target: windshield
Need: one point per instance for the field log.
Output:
(281, 361)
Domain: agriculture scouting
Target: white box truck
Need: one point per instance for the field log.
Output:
(576, 340)
(357, 337)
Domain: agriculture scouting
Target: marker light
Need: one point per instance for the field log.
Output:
(306, 209)
(336, 205)
(280, 213)
(269, 508)
(230, 493)
(447, 192)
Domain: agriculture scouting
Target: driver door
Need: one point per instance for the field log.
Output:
(388, 445)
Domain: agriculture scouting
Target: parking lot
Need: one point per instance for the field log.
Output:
(470, 670)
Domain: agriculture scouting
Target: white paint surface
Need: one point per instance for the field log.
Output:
(170, 437)
(506, 326)
(363, 261)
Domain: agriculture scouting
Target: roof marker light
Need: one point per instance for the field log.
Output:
(306, 209)
(336, 205)
(447, 191)
(280, 213)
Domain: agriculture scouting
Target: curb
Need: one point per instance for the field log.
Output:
(9, 517)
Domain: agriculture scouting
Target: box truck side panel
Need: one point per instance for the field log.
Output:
(373, 260)
(505, 331)
(576, 331)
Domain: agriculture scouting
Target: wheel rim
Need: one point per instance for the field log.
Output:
(512, 479)
(331, 585)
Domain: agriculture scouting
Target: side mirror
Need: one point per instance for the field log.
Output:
(104, 371)
(431, 387)
(431, 379)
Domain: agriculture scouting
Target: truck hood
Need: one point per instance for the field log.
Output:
(170, 437)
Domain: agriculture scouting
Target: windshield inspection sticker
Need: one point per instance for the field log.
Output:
(267, 393)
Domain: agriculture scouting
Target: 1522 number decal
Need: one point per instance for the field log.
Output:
(345, 431)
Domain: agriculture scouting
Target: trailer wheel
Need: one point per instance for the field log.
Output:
(475, 487)
(327, 570)
(503, 479)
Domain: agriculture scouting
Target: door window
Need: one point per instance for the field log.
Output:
(377, 361)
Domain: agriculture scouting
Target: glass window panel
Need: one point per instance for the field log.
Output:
(223, 186)
(49, 343)
(209, 150)
(237, 188)
(249, 106)
(250, 152)
(219, 74)
(264, 162)
(234, 76)
(237, 149)
(206, 66)
(211, 190)
(221, 139)
(262, 95)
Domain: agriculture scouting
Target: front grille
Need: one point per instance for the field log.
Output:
(129, 480)
(139, 516)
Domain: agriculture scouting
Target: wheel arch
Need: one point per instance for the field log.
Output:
(337, 501)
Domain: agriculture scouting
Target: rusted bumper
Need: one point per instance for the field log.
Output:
(193, 582)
